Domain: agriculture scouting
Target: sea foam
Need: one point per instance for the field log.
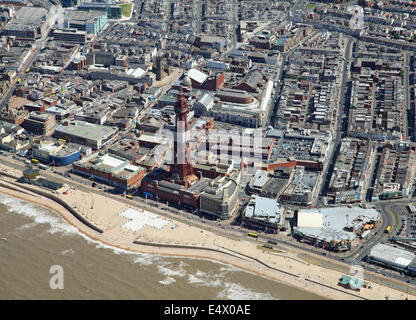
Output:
(167, 281)
(39, 214)
(234, 291)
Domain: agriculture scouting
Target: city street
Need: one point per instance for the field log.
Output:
(329, 166)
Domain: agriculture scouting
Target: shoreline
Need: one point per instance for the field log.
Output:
(300, 281)
(165, 254)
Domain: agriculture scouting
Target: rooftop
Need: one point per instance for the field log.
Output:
(392, 255)
(334, 220)
(263, 208)
(197, 75)
(87, 130)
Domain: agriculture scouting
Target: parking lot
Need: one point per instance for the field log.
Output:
(298, 148)
(406, 224)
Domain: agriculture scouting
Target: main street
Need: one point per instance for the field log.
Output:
(326, 175)
(37, 45)
(280, 77)
(405, 78)
(6, 97)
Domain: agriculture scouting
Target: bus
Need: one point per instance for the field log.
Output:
(63, 140)
(43, 167)
(129, 196)
(388, 229)
(254, 235)
(35, 161)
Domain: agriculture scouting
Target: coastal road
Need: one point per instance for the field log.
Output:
(375, 238)
(209, 225)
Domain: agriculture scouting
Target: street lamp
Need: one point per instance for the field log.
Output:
(407, 289)
(92, 189)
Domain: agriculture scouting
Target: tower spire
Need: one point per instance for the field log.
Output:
(181, 166)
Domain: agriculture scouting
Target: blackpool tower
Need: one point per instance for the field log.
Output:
(182, 168)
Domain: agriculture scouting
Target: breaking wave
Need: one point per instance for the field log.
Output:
(234, 291)
(39, 214)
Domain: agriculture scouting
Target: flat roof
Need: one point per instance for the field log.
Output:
(260, 178)
(152, 139)
(82, 15)
(208, 38)
(310, 219)
(262, 207)
(197, 75)
(111, 161)
(29, 16)
(87, 131)
(393, 255)
(335, 219)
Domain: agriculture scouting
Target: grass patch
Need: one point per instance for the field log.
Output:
(126, 9)
(232, 238)
(395, 222)
(260, 247)
(322, 263)
(310, 6)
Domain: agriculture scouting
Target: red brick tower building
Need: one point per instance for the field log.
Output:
(182, 168)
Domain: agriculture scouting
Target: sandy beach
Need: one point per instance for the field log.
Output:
(284, 265)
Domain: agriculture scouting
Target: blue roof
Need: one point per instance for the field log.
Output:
(280, 41)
